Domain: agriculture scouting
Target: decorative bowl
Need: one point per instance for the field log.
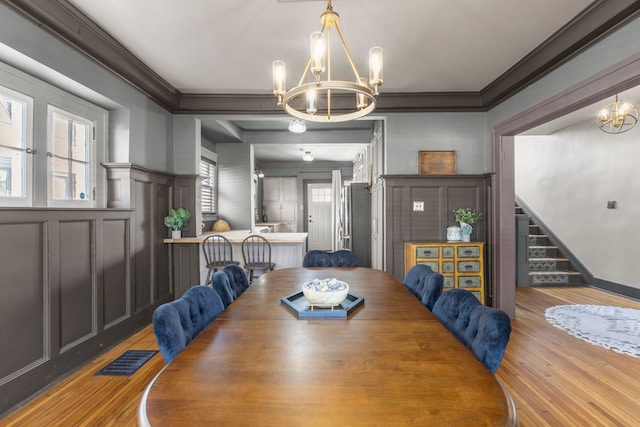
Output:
(325, 292)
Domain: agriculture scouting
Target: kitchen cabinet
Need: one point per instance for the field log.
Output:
(280, 199)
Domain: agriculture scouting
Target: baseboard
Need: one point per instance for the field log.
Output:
(617, 288)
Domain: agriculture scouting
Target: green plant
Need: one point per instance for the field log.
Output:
(467, 215)
(177, 218)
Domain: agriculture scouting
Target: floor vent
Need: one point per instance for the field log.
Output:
(128, 363)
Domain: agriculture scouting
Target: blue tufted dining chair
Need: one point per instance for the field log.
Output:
(415, 277)
(432, 285)
(487, 335)
(238, 279)
(343, 258)
(317, 258)
(447, 308)
(221, 284)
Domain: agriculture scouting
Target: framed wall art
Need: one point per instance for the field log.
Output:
(436, 162)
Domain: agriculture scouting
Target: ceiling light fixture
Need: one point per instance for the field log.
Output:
(313, 101)
(617, 117)
(307, 157)
(297, 126)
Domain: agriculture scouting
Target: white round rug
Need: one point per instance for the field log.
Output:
(613, 328)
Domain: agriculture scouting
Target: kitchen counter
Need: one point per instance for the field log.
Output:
(237, 236)
(287, 250)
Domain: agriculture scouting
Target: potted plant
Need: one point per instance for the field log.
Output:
(466, 217)
(176, 220)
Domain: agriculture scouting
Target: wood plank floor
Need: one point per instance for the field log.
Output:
(554, 378)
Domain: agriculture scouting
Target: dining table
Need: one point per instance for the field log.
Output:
(383, 359)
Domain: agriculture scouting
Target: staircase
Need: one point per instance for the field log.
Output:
(547, 267)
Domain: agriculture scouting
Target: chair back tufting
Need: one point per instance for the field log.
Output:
(344, 258)
(170, 335)
(177, 322)
(424, 283)
(487, 335)
(415, 277)
(484, 330)
(317, 258)
(433, 284)
(447, 308)
(238, 279)
(221, 284)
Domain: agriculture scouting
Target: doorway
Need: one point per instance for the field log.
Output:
(319, 216)
(607, 83)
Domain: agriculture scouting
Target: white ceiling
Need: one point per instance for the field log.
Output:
(227, 46)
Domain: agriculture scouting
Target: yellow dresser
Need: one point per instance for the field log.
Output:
(460, 263)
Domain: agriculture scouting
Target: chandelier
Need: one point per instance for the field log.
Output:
(312, 101)
(617, 117)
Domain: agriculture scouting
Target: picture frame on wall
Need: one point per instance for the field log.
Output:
(436, 162)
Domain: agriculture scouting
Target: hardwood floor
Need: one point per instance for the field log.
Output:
(554, 378)
(558, 380)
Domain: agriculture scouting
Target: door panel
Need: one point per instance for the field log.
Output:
(319, 216)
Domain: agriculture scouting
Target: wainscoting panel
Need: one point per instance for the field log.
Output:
(142, 250)
(74, 282)
(24, 287)
(116, 269)
(441, 194)
(77, 283)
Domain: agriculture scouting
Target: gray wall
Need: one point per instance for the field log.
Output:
(140, 131)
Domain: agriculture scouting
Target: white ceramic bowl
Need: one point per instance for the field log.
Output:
(325, 292)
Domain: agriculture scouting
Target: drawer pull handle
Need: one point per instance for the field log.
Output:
(468, 282)
(468, 267)
(427, 252)
(468, 252)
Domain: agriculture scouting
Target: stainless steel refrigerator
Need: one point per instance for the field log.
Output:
(355, 221)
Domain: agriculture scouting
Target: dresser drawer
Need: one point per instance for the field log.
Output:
(433, 264)
(448, 267)
(469, 266)
(448, 282)
(427, 252)
(469, 281)
(448, 252)
(469, 251)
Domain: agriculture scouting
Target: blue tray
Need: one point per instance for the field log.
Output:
(297, 304)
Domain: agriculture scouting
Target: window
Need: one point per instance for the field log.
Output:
(15, 148)
(208, 171)
(70, 165)
(319, 195)
(51, 142)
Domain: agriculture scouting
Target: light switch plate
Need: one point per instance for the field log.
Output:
(418, 206)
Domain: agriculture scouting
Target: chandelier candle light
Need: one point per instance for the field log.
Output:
(312, 101)
(617, 117)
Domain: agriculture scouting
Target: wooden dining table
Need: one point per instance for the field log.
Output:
(390, 362)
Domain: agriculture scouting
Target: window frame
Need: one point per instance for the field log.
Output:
(210, 158)
(26, 199)
(90, 201)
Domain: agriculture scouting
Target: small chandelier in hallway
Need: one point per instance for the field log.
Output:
(617, 117)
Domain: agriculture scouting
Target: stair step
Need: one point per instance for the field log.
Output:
(538, 240)
(555, 277)
(548, 264)
(542, 252)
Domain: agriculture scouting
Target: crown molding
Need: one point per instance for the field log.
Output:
(64, 21)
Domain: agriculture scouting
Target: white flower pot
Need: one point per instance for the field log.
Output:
(176, 234)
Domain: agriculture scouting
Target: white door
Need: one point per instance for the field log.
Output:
(319, 216)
